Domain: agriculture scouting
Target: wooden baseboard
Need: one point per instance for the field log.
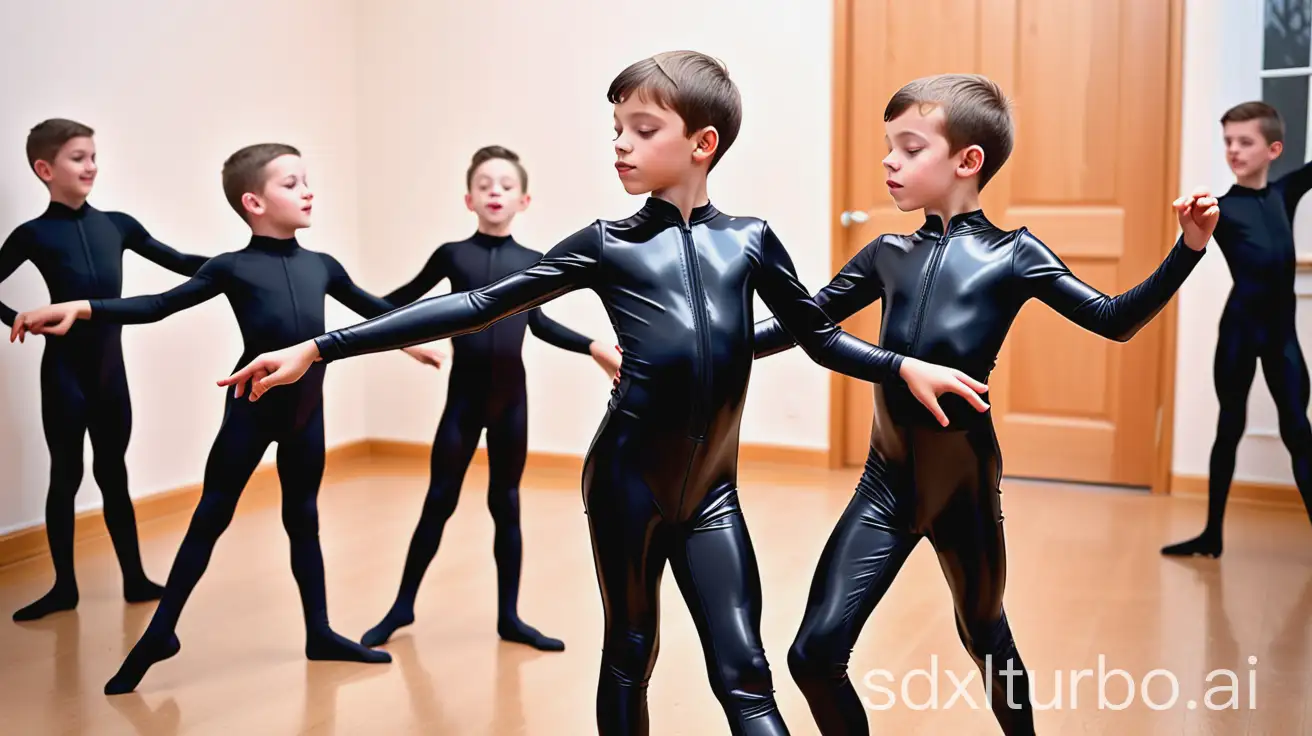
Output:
(350, 458)
(1267, 494)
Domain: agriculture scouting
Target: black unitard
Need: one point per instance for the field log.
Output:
(948, 299)
(486, 390)
(84, 387)
(276, 290)
(660, 478)
(1257, 239)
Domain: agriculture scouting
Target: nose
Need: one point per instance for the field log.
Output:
(622, 145)
(890, 163)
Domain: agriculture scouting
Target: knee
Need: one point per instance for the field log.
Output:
(504, 506)
(300, 520)
(65, 474)
(814, 659)
(628, 656)
(743, 674)
(439, 504)
(984, 637)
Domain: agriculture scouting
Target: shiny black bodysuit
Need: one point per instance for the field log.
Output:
(660, 478)
(1256, 237)
(276, 289)
(949, 298)
(84, 385)
(486, 390)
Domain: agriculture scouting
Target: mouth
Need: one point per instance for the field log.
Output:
(306, 209)
(495, 207)
(624, 168)
(892, 185)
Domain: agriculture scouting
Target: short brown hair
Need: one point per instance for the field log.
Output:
(1271, 124)
(489, 153)
(975, 110)
(692, 84)
(244, 171)
(48, 136)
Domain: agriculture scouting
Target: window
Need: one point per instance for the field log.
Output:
(1287, 74)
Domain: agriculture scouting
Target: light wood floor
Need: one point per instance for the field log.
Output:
(1085, 582)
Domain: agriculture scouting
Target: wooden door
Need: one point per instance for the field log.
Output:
(1088, 175)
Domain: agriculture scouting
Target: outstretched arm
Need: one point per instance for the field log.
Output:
(827, 344)
(554, 333)
(137, 239)
(855, 287)
(567, 267)
(342, 288)
(823, 341)
(56, 319)
(1045, 277)
(12, 255)
(435, 269)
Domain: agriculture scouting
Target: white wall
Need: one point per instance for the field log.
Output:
(1223, 60)
(439, 80)
(171, 89)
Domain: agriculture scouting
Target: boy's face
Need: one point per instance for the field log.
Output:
(920, 164)
(651, 151)
(1246, 149)
(496, 193)
(286, 196)
(73, 172)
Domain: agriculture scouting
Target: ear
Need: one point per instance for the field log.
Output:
(524, 202)
(44, 170)
(708, 142)
(1275, 149)
(469, 201)
(252, 203)
(972, 160)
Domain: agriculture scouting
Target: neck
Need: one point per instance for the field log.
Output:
(273, 230)
(71, 201)
(957, 202)
(1254, 181)
(493, 229)
(687, 196)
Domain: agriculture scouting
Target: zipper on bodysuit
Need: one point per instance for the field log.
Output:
(926, 285)
(86, 250)
(696, 296)
(291, 289)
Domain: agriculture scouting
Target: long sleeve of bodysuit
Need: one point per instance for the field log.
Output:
(566, 267)
(205, 285)
(813, 329)
(346, 291)
(136, 238)
(554, 333)
(855, 287)
(436, 268)
(13, 254)
(1043, 276)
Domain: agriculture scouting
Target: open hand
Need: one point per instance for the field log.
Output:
(55, 319)
(273, 369)
(608, 360)
(1198, 213)
(928, 381)
(427, 356)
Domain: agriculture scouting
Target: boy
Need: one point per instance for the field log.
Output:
(486, 389)
(276, 289)
(1256, 237)
(659, 481)
(951, 291)
(84, 389)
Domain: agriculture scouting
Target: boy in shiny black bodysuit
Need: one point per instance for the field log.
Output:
(1256, 236)
(660, 479)
(84, 387)
(950, 291)
(276, 290)
(486, 390)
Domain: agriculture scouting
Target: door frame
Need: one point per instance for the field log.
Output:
(841, 107)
